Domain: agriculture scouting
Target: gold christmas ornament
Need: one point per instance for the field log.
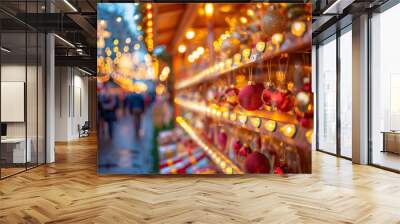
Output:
(298, 28)
(255, 121)
(277, 39)
(288, 130)
(270, 125)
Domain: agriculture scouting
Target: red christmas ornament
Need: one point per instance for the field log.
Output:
(222, 139)
(278, 170)
(257, 163)
(283, 100)
(237, 144)
(267, 94)
(245, 150)
(307, 87)
(250, 96)
(231, 96)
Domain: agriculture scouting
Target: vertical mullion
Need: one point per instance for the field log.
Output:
(316, 115)
(338, 95)
(369, 79)
(37, 89)
(0, 94)
(26, 86)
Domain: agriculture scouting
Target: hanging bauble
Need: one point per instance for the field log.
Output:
(245, 150)
(306, 123)
(307, 84)
(257, 162)
(231, 96)
(278, 170)
(222, 139)
(237, 145)
(298, 28)
(274, 21)
(304, 105)
(282, 100)
(267, 94)
(250, 96)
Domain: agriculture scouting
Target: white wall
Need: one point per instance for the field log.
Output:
(71, 94)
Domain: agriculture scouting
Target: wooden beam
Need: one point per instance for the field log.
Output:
(187, 20)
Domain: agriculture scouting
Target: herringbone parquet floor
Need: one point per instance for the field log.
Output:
(70, 191)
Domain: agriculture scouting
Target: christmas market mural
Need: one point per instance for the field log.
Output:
(204, 88)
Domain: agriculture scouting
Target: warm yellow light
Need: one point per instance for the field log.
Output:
(250, 12)
(164, 73)
(148, 6)
(102, 22)
(243, 20)
(226, 114)
(229, 170)
(246, 53)
(288, 130)
(200, 50)
(118, 19)
(298, 28)
(149, 23)
(190, 34)
(136, 46)
(126, 49)
(270, 125)
(160, 89)
(182, 48)
(255, 121)
(277, 39)
(191, 58)
(209, 9)
(149, 15)
(243, 119)
(260, 46)
(116, 41)
(309, 136)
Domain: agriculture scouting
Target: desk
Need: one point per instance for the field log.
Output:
(16, 147)
(391, 141)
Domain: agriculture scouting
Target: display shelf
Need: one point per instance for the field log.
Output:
(291, 44)
(225, 164)
(273, 124)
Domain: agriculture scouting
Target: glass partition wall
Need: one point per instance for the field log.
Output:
(334, 94)
(385, 90)
(22, 95)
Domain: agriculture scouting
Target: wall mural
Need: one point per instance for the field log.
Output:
(204, 88)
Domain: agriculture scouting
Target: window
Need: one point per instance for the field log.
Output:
(346, 93)
(327, 96)
(385, 89)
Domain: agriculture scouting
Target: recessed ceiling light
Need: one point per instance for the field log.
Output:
(5, 50)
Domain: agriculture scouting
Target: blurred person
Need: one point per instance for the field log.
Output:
(134, 102)
(109, 104)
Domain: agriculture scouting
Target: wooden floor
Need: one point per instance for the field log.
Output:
(70, 191)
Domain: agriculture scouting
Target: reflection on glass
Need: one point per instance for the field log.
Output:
(346, 94)
(14, 153)
(385, 89)
(327, 96)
